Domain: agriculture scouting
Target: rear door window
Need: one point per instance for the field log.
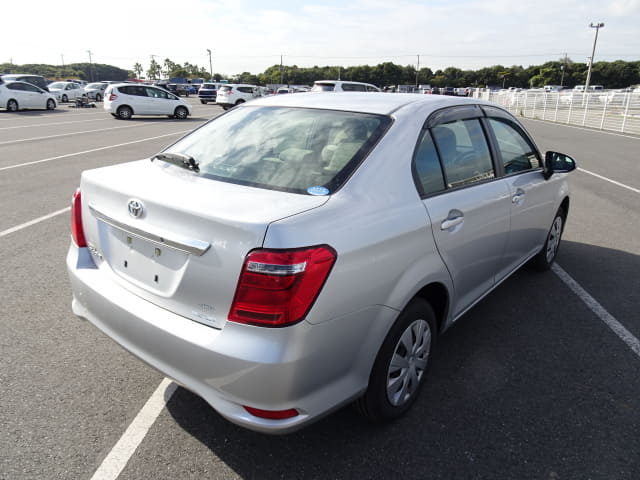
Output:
(323, 87)
(353, 87)
(464, 152)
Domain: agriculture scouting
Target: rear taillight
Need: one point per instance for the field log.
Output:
(278, 287)
(77, 232)
(112, 97)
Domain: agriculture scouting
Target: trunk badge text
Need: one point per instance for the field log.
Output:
(135, 207)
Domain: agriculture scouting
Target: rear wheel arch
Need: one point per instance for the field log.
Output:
(437, 295)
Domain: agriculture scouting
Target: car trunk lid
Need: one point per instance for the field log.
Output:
(177, 239)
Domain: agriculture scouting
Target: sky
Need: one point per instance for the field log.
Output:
(250, 36)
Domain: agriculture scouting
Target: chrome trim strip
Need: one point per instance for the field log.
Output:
(188, 245)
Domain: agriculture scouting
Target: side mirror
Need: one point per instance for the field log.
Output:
(555, 162)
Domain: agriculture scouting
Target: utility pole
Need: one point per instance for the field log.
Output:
(281, 70)
(90, 66)
(417, 71)
(210, 64)
(597, 26)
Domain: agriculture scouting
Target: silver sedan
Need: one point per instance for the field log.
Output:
(301, 252)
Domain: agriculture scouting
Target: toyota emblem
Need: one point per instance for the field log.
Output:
(135, 208)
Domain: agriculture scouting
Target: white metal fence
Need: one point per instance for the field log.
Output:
(604, 110)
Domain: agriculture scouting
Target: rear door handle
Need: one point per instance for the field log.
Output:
(454, 219)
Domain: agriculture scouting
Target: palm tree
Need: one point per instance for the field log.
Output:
(138, 69)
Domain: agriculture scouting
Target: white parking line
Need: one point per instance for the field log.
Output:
(120, 454)
(90, 151)
(69, 134)
(22, 117)
(34, 221)
(625, 335)
(609, 180)
(57, 123)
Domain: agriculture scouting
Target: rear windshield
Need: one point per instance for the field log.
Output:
(298, 150)
(208, 85)
(323, 87)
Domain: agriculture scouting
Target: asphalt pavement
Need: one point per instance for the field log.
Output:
(530, 384)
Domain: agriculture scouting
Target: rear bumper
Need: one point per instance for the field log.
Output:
(312, 368)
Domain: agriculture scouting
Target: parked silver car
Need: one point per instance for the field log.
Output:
(301, 252)
(95, 91)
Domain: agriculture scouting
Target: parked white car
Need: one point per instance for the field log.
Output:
(304, 251)
(66, 91)
(232, 94)
(123, 100)
(16, 96)
(342, 86)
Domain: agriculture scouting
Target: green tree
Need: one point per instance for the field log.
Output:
(137, 68)
(154, 70)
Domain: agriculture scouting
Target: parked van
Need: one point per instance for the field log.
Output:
(553, 88)
(341, 86)
(592, 88)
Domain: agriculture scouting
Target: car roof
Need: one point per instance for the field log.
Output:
(365, 102)
(340, 82)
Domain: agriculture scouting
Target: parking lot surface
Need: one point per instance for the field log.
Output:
(532, 383)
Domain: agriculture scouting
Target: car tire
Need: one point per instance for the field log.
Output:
(12, 106)
(239, 102)
(401, 365)
(51, 105)
(181, 113)
(204, 102)
(98, 97)
(547, 256)
(225, 108)
(124, 113)
(65, 99)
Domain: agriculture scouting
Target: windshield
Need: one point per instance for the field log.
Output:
(323, 87)
(290, 149)
(57, 85)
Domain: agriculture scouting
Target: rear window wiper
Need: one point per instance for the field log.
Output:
(179, 159)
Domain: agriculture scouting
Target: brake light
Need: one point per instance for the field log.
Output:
(77, 231)
(272, 414)
(278, 287)
(112, 97)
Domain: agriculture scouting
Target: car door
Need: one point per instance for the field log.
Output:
(161, 102)
(467, 203)
(37, 97)
(532, 197)
(21, 94)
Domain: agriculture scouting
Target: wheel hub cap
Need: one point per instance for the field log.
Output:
(408, 363)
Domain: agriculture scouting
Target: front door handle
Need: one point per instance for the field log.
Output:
(454, 219)
(517, 197)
